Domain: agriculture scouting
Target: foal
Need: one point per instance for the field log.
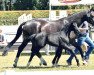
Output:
(60, 40)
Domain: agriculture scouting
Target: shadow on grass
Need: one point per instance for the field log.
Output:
(0, 55)
(43, 53)
(38, 67)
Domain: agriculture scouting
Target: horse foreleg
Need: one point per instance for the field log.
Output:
(77, 60)
(57, 56)
(20, 49)
(79, 48)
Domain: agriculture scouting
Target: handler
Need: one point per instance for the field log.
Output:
(80, 40)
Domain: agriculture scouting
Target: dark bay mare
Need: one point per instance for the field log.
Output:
(36, 26)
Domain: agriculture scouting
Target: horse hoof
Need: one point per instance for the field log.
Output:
(40, 64)
(55, 65)
(78, 64)
(45, 64)
(28, 64)
(14, 65)
(5, 53)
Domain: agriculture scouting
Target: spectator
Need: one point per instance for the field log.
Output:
(3, 41)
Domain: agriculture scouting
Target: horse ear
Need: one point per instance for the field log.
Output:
(75, 24)
(88, 15)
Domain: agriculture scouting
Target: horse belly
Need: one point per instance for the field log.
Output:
(53, 40)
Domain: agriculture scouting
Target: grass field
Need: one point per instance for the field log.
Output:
(6, 63)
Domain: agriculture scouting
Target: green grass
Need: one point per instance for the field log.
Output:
(6, 63)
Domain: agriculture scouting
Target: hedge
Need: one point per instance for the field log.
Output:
(11, 17)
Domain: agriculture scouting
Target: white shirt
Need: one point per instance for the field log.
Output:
(84, 27)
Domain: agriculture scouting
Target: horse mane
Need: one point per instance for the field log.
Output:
(75, 15)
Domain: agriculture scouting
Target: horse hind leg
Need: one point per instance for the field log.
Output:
(20, 49)
(9, 46)
(19, 32)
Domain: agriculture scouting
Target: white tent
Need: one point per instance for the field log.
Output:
(85, 2)
(58, 3)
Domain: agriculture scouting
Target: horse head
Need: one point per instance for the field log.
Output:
(90, 16)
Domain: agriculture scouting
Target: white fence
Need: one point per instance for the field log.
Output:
(53, 14)
(24, 18)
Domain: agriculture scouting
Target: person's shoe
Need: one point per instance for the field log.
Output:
(69, 63)
(85, 63)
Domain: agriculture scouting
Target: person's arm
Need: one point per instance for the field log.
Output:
(85, 27)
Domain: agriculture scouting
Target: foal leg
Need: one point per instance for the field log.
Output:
(20, 49)
(57, 56)
(43, 62)
(35, 50)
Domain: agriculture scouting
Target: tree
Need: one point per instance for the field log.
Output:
(31, 5)
(42, 4)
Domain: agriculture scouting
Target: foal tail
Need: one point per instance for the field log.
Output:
(18, 34)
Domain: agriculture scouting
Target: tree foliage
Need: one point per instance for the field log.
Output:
(31, 4)
(35, 5)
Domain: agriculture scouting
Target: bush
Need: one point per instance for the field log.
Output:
(11, 17)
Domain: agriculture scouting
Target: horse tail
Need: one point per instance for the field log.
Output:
(18, 34)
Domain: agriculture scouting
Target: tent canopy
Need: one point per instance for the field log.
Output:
(83, 2)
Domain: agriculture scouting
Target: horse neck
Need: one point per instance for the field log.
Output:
(77, 16)
(81, 16)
